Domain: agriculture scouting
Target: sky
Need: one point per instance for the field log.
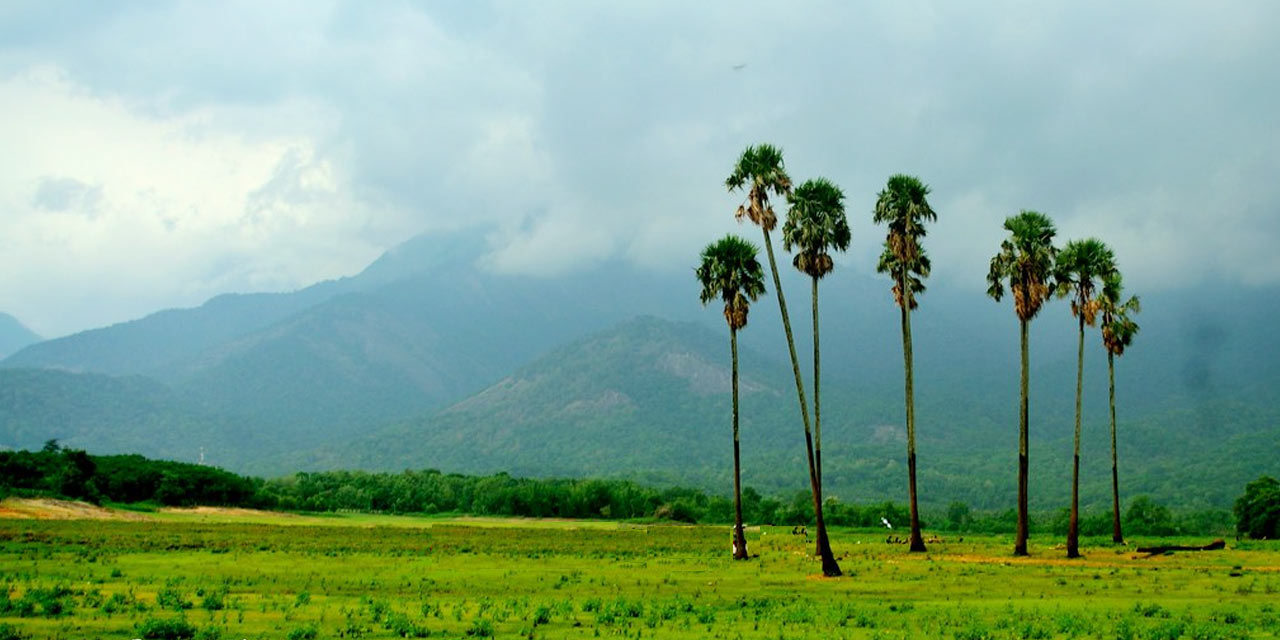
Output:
(156, 154)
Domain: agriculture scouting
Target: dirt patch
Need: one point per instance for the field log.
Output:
(227, 511)
(50, 509)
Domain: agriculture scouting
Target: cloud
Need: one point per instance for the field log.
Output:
(269, 145)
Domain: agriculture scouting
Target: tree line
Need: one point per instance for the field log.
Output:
(60, 472)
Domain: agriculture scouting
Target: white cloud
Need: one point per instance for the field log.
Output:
(180, 211)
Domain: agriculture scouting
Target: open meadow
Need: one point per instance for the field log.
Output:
(210, 574)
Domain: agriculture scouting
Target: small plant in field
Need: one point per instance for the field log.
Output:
(305, 632)
(402, 626)
(541, 615)
(975, 631)
(480, 628)
(170, 598)
(1151, 610)
(302, 599)
(166, 629)
(8, 632)
(1167, 630)
(214, 600)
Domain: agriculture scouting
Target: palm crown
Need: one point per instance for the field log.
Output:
(730, 272)
(762, 169)
(1118, 329)
(1079, 266)
(903, 206)
(815, 225)
(1026, 260)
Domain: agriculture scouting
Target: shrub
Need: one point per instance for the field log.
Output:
(8, 632)
(166, 629)
(305, 632)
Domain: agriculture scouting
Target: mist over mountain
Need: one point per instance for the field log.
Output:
(427, 359)
(14, 335)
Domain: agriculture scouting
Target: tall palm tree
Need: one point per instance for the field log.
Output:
(1026, 261)
(903, 207)
(730, 272)
(1080, 265)
(760, 172)
(816, 225)
(1118, 330)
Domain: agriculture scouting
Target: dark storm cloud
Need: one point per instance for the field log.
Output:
(580, 130)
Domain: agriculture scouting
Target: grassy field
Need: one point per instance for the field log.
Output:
(248, 575)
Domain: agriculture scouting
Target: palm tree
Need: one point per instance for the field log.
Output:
(903, 206)
(730, 272)
(1026, 261)
(815, 225)
(1118, 330)
(760, 172)
(1080, 264)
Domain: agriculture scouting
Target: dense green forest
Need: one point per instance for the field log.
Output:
(60, 472)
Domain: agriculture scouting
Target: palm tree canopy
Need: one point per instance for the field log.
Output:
(1118, 329)
(731, 272)
(903, 206)
(815, 225)
(759, 170)
(1026, 260)
(1079, 266)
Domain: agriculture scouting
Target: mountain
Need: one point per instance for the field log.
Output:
(418, 329)
(649, 400)
(426, 359)
(109, 414)
(14, 335)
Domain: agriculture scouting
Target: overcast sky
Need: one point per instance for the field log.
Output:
(156, 154)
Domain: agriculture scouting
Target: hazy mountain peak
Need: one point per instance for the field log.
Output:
(14, 335)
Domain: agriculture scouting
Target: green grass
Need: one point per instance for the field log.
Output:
(247, 576)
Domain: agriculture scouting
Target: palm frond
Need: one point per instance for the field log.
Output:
(816, 225)
(730, 271)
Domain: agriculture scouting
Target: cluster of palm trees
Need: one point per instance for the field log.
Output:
(816, 226)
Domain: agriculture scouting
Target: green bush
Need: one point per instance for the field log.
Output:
(166, 629)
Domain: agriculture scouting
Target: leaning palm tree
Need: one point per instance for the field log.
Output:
(1079, 266)
(730, 272)
(760, 172)
(1118, 330)
(1026, 261)
(816, 225)
(903, 206)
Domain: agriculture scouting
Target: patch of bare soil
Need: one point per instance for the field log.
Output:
(227, 511)
(50, 509)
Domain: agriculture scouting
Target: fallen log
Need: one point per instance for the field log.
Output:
(1155, 551)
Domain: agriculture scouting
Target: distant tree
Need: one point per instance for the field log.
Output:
(760, 172)
(730, 272)
(1149, 518)
(902, 205)
(1118, 330)
(1258, 510)
(1078, 268)
(1026, 261)
(815, 226)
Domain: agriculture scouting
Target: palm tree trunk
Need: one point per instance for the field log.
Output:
(817, 402)
(829, 566)
(1020, 543)
(1073, 526)
(817, 389)
(739, 538)
(1116, 535)
(917, 541)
